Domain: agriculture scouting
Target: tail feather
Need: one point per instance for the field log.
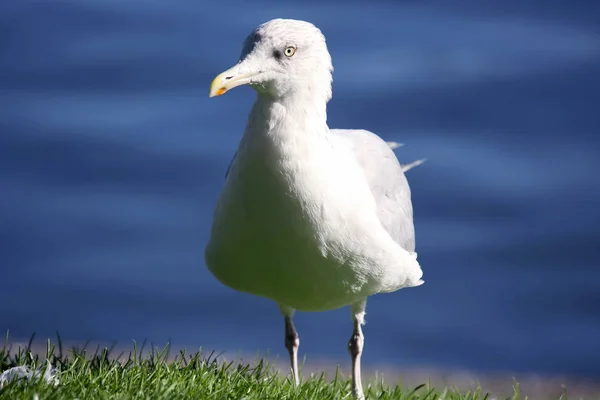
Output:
(394, 145)
(406, 167)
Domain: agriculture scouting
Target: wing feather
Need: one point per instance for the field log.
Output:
(387, 181)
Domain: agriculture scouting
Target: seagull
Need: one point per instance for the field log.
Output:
(312, 218)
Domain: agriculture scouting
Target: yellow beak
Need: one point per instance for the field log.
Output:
(228, 80)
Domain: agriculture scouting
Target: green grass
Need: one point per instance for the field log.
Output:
(158, 375)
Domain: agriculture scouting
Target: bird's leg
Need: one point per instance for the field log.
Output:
(355, 347)
(292, 340)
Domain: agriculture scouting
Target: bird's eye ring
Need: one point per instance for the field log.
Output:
(289, 51)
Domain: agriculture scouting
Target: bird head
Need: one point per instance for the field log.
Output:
(281, 58)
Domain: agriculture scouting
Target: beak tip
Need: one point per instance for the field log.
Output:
(214, 93)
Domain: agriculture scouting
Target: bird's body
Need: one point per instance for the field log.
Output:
(312, 218)
(301, 220)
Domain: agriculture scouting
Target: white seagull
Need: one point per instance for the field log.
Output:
(310, 217)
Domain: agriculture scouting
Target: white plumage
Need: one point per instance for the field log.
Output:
(310, 217)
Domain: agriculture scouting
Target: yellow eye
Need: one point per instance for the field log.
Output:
(289, 51)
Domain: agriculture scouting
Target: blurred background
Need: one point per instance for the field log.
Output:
(112, 156)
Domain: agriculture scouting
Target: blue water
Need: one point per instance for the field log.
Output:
(112, 156)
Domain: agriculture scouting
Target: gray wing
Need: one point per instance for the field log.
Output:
(387, 181)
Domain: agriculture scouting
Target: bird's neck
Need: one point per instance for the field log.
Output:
(288, 119)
